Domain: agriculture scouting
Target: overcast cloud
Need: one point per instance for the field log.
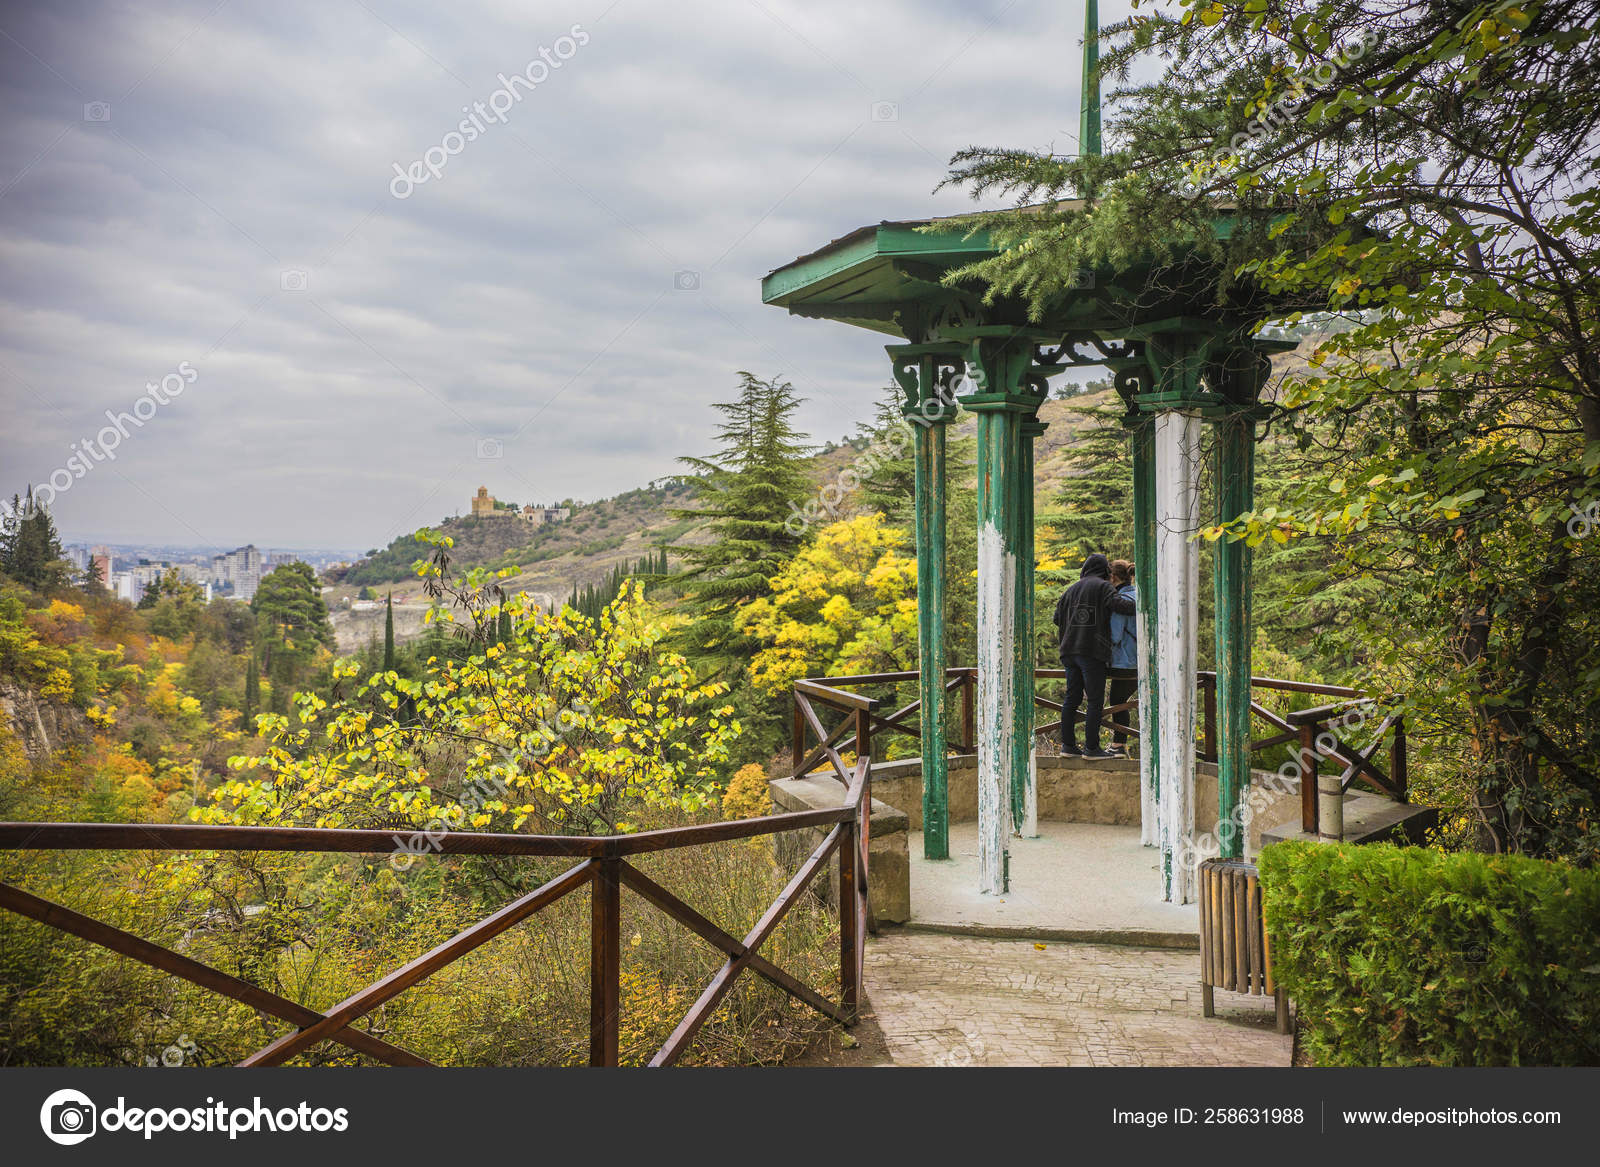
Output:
(528, 295)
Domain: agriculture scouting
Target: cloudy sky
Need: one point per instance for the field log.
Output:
(208, 190)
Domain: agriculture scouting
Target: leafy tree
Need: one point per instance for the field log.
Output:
(572, 725)
(846, 603)
(229, 623)
(1435, 174)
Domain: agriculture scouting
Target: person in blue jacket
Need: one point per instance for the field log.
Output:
(1124, 670)
(1082, 617)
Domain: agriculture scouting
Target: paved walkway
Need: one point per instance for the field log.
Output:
(963, 1000)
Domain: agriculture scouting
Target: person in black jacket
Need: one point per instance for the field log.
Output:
(1083, 621)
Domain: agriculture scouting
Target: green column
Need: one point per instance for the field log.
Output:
(1024, 797)
(998, 425)
(930, 517)
(1234, 491)
(925, 373)
(1001, 365)
(1141, 437)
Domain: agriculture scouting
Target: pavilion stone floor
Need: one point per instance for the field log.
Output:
(1080, 881)
(1079, 965)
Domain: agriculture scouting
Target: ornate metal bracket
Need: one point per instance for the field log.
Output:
(1102, 352)
(928, 375)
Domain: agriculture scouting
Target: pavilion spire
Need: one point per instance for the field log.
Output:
(1089, 95)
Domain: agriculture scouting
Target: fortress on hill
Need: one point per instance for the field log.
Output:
(486, 506)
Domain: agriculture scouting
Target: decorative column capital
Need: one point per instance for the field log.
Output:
(1196, 367)
(1003, 364)
(927, 375)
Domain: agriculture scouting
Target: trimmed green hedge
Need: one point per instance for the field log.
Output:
(1405, 956)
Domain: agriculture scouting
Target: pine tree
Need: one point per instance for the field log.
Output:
(751, 488)
(388, 633)
(889, 485)
(30, 547)
(1093, 510)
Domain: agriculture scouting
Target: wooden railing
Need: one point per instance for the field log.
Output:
(1314, 729)
(602, 866)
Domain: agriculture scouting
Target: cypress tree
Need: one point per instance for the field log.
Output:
(252, 688)
(751, 488)
(388, 633)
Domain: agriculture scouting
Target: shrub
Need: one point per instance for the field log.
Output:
(747, 796)
(1405, 956)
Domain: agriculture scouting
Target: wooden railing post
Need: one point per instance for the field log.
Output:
(605, 962)
(799, 731)
(969, 714)
(1397, 758)
(863, 734)
(849, 921)
(1308, 777)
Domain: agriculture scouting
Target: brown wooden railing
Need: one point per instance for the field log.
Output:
(602, 866)
(1314, 729)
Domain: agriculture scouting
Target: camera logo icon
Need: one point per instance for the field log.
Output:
(97, 111)
(885, 111)
(686, 281)
(490, 448)
(68, 1117)
(292, 280)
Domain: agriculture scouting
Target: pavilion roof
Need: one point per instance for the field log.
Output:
(878, 275)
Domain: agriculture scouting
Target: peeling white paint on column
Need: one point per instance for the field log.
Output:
(1177, 513)
(1149, 827)
(997, 581)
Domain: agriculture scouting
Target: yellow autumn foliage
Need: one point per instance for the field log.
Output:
(847, 602)
(747, 796)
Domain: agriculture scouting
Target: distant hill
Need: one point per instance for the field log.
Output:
(599, 535)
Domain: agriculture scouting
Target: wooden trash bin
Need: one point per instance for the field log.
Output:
(1235, 952)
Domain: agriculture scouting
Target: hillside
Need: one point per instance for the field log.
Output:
(627, 527)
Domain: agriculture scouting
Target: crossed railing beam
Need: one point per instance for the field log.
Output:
(603, 865)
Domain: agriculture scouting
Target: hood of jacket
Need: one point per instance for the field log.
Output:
(1096, 565)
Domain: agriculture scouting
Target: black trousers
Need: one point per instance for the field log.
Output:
(1124, 683)
(1086, 678)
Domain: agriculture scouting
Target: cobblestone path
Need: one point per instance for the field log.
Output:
(961, 1000)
